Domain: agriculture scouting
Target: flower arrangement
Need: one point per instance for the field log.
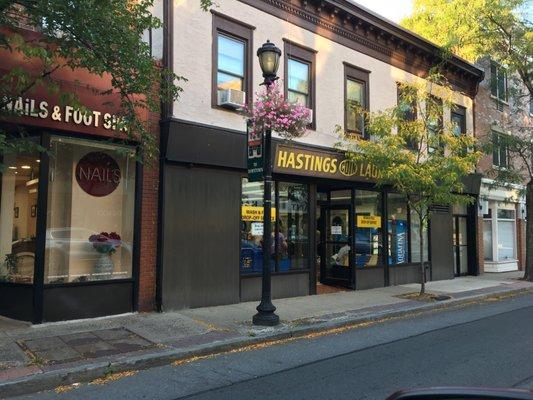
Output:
(105, 243)
(271, 111)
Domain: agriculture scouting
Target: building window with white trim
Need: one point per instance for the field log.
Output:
(506, 234)
(498, 82)
(500, 156)
(487, 236)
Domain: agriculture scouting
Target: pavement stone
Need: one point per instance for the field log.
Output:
(136, 341)
(58, 355)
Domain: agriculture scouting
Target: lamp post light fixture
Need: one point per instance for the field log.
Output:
(269, 56)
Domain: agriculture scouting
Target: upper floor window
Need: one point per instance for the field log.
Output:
(500, 156)
(300, 75)
(407, 108)
(458, 119)
(230, 71)
(498, 82)
(232, 58)
(355, 99)
(299, 82)
(434, 112)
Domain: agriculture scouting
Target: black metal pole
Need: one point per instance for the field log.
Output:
(266, 315)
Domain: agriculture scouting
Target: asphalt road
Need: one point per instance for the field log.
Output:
(488, 344)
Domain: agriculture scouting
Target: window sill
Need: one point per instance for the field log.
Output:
(227, 109)
(88, 283)
(259, 274)
(498, 100)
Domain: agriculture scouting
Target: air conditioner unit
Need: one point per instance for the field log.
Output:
(483, 207)
(310, 116)
(231, 98)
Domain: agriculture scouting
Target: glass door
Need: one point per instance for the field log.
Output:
(335, 247)
(460, 242)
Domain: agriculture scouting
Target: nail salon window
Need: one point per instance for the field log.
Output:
(18, 216)
(90, 211)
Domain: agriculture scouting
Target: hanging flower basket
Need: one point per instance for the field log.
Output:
(271, 111)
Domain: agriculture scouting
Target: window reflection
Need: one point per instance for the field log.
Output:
(18, 217)
(290, 240)
(89, 231)
(230, 63)
(368, 229)
(298, 85)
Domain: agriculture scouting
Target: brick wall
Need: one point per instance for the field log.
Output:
(148, 222)
(486, 116)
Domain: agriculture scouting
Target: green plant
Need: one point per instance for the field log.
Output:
(11, 263)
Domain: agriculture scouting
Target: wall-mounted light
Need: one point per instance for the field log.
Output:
(12, 167)
(25, 167)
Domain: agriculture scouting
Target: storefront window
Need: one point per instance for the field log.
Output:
(368, 232)
(252, 227)
(415, 239)
(91, 200)
(289, 250)
(506, 234)
(18, 217)
(397, 229)
(293, 227)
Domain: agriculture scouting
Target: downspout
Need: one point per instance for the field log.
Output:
(166, 114)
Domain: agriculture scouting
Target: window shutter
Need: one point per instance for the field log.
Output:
(501, 84)
(495, 149)
(493, 80)
(503, 153)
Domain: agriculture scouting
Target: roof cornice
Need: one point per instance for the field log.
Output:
(362, 30)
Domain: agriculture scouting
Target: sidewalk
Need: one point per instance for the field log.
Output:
(45, 356)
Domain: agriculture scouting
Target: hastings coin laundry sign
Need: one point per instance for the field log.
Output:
(322, 164)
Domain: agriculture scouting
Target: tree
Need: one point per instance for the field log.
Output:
(501, 30)
(422, 158)
(476, 28)
(103, 37)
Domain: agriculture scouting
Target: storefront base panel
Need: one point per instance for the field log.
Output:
(200, 254)
(501, 266)
(16, 301)
(90, 301)
(283, 286)
(404, 274)
(369, 278)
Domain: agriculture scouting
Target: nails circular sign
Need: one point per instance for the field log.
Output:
(98, 174)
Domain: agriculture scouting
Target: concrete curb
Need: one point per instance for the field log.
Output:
(88, 372)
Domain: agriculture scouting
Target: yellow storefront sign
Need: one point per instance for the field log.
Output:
(255, 213)
(368, 221)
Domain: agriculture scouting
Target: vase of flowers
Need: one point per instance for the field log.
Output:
(272, 111)
(105, 244)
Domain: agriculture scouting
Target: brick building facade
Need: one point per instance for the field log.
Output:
(501, 214)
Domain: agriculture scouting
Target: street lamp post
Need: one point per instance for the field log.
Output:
(269, 56)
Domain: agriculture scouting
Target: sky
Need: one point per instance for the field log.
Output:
(394, 10)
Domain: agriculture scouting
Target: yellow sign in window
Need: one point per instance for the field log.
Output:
(255, 213)
(368, 221)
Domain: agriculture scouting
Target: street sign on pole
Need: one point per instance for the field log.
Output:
(254, 154)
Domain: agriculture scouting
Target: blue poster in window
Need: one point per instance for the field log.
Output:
(397, 242)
